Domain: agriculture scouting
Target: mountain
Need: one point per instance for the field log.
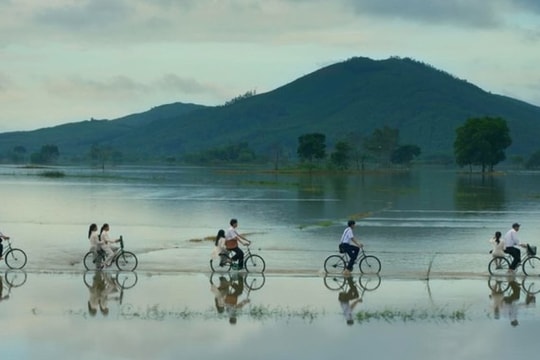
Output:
(351, 97)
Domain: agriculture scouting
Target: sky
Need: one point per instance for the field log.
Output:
(65, 61)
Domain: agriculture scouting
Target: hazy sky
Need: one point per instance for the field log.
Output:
(69, 60)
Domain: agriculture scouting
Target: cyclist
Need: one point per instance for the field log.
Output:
(349, 245)
(106, 244)
(93, 237)
(2, 237)
(511, 241)
(232, 238)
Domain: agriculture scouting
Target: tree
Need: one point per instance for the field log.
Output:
(102, 154)
(534, 161)
(341, 156)
(482, 141)
(382, 142)
(404, 154)
(18, 154)
(311, 146)
(47, 155)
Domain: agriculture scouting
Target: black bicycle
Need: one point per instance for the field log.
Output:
(252, 262)
(530, 264)
(14, 258)
(368, 264)
(125, 260)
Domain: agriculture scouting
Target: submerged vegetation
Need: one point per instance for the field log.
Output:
(388, 315)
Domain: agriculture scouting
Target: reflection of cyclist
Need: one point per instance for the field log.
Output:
(220, 292)
(348, 300)
(349, 245)
(98, 285)
(2, 297)
(497, 296)
(236, 288)
(510, 303)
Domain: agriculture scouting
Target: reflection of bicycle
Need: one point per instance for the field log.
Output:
(530, 264)
(366, 282)
(125, 260)
(368, 264)
(14, 258)
(252, 262)
(252, 282)
(529, 285)
(124, 279)
(15, 278)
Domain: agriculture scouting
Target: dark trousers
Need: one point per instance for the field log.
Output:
(352, 251)
(516, 256)
(238, 255)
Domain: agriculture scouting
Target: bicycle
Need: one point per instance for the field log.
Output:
(252, 262)
(254, 283)
(368, 264)
(366, 282)
(530, 264)
(125, 260)
(15, 258)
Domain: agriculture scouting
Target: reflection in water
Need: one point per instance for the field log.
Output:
(228, 291)
(349, 296)
(506, 295)
(348, 299)
(102, 284)
(479, 193)
(11, 279)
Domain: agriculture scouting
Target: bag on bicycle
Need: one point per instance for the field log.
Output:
(341, 248)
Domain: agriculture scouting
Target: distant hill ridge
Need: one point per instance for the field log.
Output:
(355, 96)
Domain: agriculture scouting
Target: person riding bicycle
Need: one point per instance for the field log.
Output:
(511, 243)
(220, 250)
(106, 244)
(2, 237)
(349, 245)
(93, 238)
(232, 238)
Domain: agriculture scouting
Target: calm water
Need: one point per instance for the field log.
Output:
(172, 316)
(406, 219)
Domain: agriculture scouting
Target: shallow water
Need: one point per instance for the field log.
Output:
(170, 316)
(415, 221)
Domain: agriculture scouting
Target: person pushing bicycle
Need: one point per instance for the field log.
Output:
(348, 244)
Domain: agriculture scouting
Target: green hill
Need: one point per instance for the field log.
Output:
(355, 96)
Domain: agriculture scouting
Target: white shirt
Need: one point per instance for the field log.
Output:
(94, 239)
(510, 238)
(231, 234)
(347, 235)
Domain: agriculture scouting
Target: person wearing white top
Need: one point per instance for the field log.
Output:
(106, 244)
(93, 238)
(511, 243)
(232, 238)
(349, 245)
(2, 237)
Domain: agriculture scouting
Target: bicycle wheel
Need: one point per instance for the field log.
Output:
(126, 260)
(334, 264)
(255, 282)
(15, 259)
(254, 263)
(217, 267)
(370, 265)
(369, 282)
(91, 263)
(531, 266)
(334, 283)
(15, 278)
(126, 279)
(499, 266)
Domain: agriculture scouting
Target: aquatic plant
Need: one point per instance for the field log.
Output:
(388, 315)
